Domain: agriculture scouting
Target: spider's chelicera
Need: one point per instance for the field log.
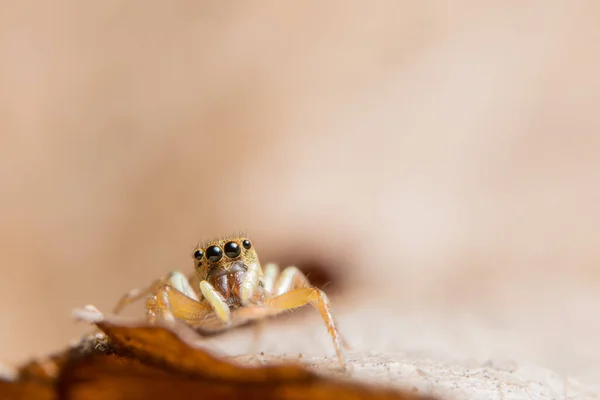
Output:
(229, 288)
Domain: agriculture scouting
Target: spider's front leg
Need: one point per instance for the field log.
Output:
(169, 298)
(174, 279)
(291, 290)
(170, 303)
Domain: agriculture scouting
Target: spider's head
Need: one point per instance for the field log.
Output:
(224, 263)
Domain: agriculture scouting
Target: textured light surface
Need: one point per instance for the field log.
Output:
(491, 380)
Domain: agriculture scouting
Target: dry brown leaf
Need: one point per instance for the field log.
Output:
(173, 349)
(111, 377)
(35, 379)
(139, 361)
(26, 390)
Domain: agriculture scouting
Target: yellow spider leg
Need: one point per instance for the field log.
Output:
(258, 328)
(318, 299)
(170, 303)
(271, 272)
(216, 301)
(175, 279)
(249, 284)
(290, 278)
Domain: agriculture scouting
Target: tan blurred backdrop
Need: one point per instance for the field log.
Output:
(442, 158)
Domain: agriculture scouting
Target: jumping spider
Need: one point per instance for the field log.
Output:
(230, 288)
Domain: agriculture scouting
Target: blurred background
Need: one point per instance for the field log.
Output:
(438, 163)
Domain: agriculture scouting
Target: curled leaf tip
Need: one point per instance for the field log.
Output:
(8, 373)
(88, 313)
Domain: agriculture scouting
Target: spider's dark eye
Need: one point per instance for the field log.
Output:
(246, 243)
(232, 249)
(214, 253)
(198, 254)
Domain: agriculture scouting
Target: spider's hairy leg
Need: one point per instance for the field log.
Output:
(293, 278)
(257, 332)
(271, 272)
(168, 303)
(216, 301)
(174, 279)
(292, 291)
(318, 299)
(247, 292)
(249, 285)
(290, 278)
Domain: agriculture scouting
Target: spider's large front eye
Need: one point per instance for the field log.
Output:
(214, 254)
(246, 243)
(232, 249)
(198, 254)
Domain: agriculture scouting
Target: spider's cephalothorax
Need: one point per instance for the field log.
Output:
(224, 264)
(230, 288)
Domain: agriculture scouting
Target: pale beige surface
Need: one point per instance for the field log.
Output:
(444, 158)
(491, 380)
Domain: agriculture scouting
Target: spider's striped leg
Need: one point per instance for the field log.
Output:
(175, 279)
(292, 291)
